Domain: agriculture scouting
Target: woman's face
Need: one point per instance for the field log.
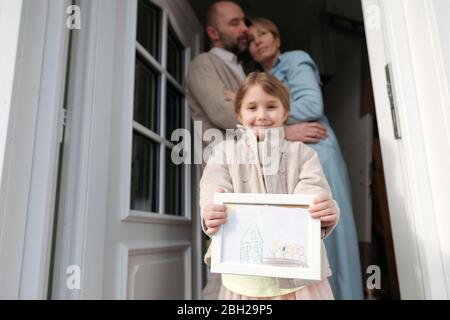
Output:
(263, 45)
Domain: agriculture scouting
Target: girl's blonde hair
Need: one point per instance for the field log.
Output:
(269, 83)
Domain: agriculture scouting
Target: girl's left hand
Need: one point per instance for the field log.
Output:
(325, 208)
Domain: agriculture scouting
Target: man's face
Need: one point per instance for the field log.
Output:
(231, 28)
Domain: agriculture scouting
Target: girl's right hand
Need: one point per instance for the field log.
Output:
(214, 216)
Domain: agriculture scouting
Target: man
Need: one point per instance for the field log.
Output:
(211, 74)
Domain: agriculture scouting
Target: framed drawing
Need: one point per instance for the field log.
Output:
(267, 235)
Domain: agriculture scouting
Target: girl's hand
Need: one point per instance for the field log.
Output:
(229, 95)
(214, 216)
(324, 208)
(307, 132)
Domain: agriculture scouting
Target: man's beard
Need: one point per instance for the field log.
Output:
(239, 48)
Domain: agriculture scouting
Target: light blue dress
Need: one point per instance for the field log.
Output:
(298, 71)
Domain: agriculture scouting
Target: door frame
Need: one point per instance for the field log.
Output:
(404, 33)
(36, 54)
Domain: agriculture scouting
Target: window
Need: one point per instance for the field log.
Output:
(144, 197)
(146, 102)
(174, 56)
(157, 184)
(149, 28)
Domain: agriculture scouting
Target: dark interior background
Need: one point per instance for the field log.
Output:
(302, 23)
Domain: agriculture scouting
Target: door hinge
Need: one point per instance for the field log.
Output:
(392, 101)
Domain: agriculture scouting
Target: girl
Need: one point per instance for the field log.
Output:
(262, 106)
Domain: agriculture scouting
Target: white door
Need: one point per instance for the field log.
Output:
(404, 55)
(127, 226)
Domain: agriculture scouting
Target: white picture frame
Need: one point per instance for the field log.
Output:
(251, 259)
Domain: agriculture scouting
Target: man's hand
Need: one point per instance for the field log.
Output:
(230, 95)
(214, 216)
(307, 132)
(325, 209)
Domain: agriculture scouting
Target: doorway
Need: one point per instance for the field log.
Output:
(332, 32)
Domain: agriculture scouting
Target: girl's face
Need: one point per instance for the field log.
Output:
(260, 111)
(263, 45)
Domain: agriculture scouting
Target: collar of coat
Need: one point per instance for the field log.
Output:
(273, 137)
(270, 149)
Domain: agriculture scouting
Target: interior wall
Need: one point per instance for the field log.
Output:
(338, 53)
(349, 105)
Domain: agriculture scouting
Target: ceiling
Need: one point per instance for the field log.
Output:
(294, 18)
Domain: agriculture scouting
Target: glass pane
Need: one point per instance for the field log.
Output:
(149, 28)
(174, 110)
(146, 100)
(175, 58)
(174, 193)
(144, 174)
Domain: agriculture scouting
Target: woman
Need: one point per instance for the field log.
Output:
(300, 74)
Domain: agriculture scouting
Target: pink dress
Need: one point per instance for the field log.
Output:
(318, 291)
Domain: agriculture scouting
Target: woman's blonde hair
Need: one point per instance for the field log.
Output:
(268, 25)
(270, 85)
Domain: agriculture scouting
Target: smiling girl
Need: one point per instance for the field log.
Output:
(262, 107)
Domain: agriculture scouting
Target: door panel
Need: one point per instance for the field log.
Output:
(118, 183)
(157, 272)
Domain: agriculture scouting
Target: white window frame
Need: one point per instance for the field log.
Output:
(164, 142)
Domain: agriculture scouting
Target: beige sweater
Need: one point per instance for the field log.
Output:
(207, 78)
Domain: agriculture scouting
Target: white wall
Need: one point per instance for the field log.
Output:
(32, 63)
(10, 12)
(442, 10)
(441, 13)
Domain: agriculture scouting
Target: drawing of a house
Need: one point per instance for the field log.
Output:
(252, 246)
